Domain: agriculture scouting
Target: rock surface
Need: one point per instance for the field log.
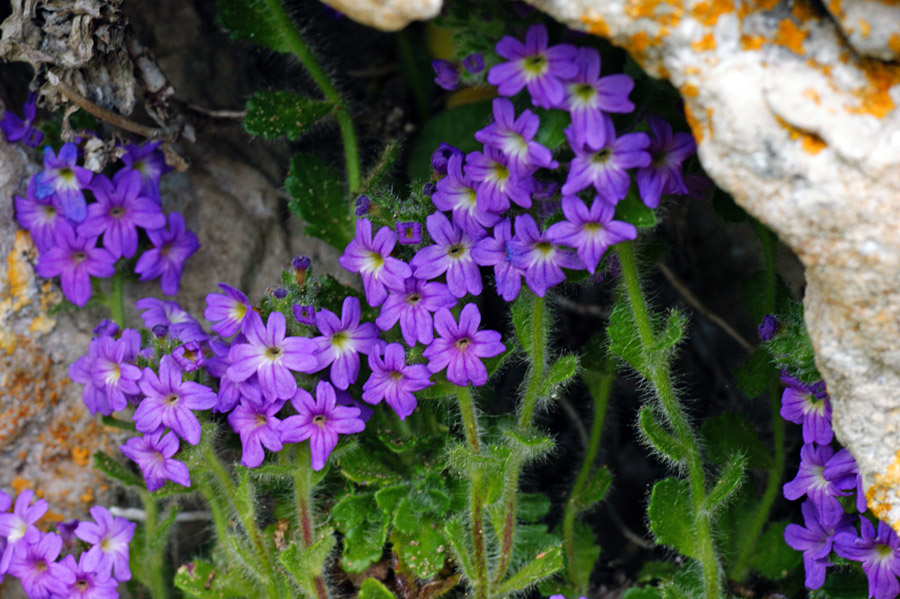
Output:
(387, 15)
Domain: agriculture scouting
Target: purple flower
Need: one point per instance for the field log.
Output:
(258, 427)
(457, 192)
(810, 481)
(62, 177)
(230, 311)
(395, 382)
(441, 158)
(301, 265)
(371, 259)
(181, 324)
(270, 355)
(541, 259)
(879, 554)
(495, 251)
(87, 584)
(110, 369)
(106, 328)
(809, 405)
(667, 152)
(279, 293)
(535, 66)
(39, 216)
(171, 249)
(343, 340)
(843, 469)
(153, 455)
(304, 314)
(815, 541)
(589, 231)
(497, 183)
(189, 356)
(118, 212)
(37, 570)
(109, 538)
(160, 331)
(18, 527)
(452, 253)
(363, 205)
(15, 129)
(514, 138)
(169, 402)
(94, 396)
(474, 63)
(606, 167)
(150, 162)
(446, 74)
(75, 259)
(413, 308)
(320, 420)
(409, 233)
(461, 346)
(590, 97)
(768, 328)
(428, 189)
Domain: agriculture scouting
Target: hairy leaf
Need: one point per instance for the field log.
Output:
(560, 372)
(729, 481)
(730, 433)
(252, 21)
(281, 113)
(671, 520)
(772, 557)
(113, 469)
(545, 564)
(624, 338)
(632, 210)
(661, 439)
(372, 588)
(318, 198)
(202, 580)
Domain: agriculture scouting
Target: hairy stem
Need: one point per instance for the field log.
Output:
(534, 381)
(153, 549)
(601, 400)
(329, 90)
(303, 486)
(660, 377)
(116, 298)
(470, 424)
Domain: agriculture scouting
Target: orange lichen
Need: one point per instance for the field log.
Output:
(693, 123)
(864, 28)
(790, 36)
(81, 456)
(812, 95)
(810, 142)
(767, 4)
(88, 495)
(648, 9)
(708, 12)
(690, 90)
(709, 117)
(834, 7)
(595, 24)
(877, 495)
(752, 42)
(803, 11)
(640, 41)
(874, 97)
(894, 43)
(18, 484)
(705, 43)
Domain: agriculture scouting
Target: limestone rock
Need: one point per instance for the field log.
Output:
(872, 27)
(805, 134)
(387, 15)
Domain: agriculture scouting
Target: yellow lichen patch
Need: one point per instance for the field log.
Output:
(709, 124)
(894, 43)
(88, 495)
(693, 123)
(874, 97)
(18, 484)
(52, 516)
(877, 495)
(864, 28)
(690, 90)
(834, 7)
(810, 142)
(640, 41)
(670, 14)
(790, 36)
(42, 324)
(803, 11)
(81, 456)
(19, 272)
(709, 11)
(705, 43)
(595, 24)
(812, 95)
(752, 42)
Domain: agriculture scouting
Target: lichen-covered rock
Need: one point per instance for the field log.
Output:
(872, 27)
(805, 134)
(387, 15)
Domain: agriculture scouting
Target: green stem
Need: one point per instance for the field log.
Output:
(299, 48)
(153, 549)
(215, 507)
(116, 298)
(660, 377)
(411, 73)
(303, 486)
(534, 382)
(476, 504)
(601, 400)
(244, 508)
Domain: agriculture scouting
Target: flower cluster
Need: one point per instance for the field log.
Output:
(66, 228)
(823, 477)
(33, 556)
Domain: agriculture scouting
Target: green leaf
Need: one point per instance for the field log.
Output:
(351, 511)
(378, 174)
(624, 338)
(455, 126)
(632, 210)
(587, 552)
(252, 21)
(521, 317)
(492, 365)
(389, 498)
(670, 516)
(531, 507)
(772, 557)
(655, 570)
(280, 113)
(661, 439)
(730, 433)
(560, 372)
(113, 469)
(754, 375)
(844, 583)
(441, 388)
(358, 465)
(553, 124)
(672, 333)
(307, 563)
(729, 481)
(424, 551)
(363, 546)
(125, 425)
(455, 534)
(594, 490)
(545, 564)
(163, 528)
(319, 199)
(642, 593)
(202, 580)
(754, 293)
(372, 588)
